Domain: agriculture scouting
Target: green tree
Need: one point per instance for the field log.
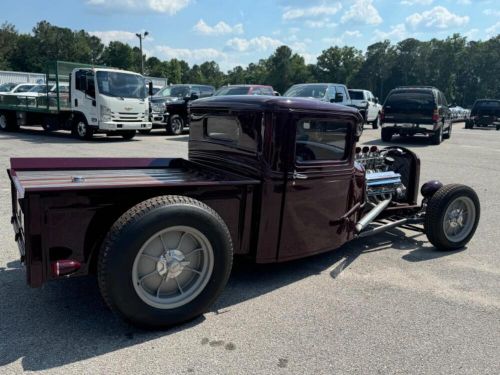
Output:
(339, 64)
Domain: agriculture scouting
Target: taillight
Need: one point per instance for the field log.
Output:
(64, 267)
(435, 115)
(382, 115)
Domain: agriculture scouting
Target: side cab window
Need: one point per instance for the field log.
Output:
(320, 140)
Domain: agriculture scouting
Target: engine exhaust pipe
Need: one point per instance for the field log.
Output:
(372, 215)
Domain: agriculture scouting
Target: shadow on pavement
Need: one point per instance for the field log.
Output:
(67, 321)
(35, 135)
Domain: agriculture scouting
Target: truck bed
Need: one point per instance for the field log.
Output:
(56, 174)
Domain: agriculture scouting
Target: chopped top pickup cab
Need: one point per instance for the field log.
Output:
(270, 178)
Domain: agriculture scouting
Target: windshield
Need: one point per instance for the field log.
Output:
(307, 91)
(39, 88)
(356, 95)
(24, 88)
(7, 86)
(122, 85)
(174, 91)
(232, 90)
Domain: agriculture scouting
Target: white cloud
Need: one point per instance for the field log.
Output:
(190, 55)
(220, 28)
(117, 35)
(362, 11)
(315, 11)
(493, 30)
(341, 40)
(492, 12)
(417, 2)
(162, 6)
(471, 34)
(326, 23)
(396, 33)
(437, 18)
(261, 43)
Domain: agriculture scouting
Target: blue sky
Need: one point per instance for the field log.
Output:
(239, 32)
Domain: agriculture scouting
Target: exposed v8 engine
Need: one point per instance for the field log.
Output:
(382, 178)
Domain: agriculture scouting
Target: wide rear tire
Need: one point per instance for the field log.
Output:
(452, 216)
(165, 261)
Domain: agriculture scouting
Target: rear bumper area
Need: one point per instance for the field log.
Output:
(411, 129)
(119, 126)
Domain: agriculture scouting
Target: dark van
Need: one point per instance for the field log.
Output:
(413, 110)
(484, 112)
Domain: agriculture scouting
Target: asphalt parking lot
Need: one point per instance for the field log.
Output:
(390, 304)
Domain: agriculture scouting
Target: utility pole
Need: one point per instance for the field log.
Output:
(141, 37)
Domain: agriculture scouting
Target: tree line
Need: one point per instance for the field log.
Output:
(464, 70)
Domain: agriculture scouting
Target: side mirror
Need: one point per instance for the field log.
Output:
(150, 88)
(375, 100)
(339, 98)
(193, 96)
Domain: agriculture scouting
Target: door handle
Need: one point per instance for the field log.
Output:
(299, 176)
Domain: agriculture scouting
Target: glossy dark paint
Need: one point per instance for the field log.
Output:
(271, 215)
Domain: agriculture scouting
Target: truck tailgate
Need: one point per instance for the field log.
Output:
(56, 174)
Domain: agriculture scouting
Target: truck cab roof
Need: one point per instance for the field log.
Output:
(270, 103)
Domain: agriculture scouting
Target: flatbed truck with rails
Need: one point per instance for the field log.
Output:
(100, 100)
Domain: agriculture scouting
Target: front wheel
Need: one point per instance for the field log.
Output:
(165, 261)
(452, 217)
(175, 125)
(128, 134)
(82, 130)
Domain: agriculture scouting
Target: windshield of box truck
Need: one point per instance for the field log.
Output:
(122, 85)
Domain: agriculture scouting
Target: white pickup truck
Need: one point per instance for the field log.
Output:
(368, 105)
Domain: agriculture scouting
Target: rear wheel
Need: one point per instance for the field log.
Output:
(469, 124)
(376, 122)
(386, 134)
(175, 125)
(437, 137)
(447, 135)
(165, 261)
(452, 217)
(8, 122)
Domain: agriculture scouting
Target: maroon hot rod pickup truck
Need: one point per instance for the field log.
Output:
(270, 178)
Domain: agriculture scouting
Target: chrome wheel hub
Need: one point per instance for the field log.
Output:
(459, 219)
(171, 264)
(173, 267)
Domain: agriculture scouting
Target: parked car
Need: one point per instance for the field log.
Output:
(367, 105)
(411, 110)
(245, 90)
(7, 87)
(327, 92)
(271, 179)
(169, 107)
(20, 88)
(484, 112)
